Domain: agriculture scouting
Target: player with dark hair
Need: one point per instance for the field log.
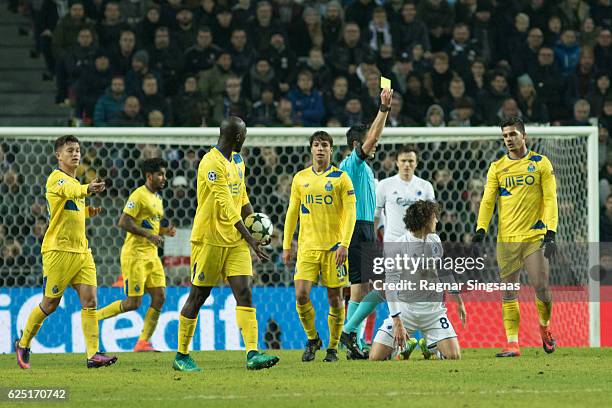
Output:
(412, 310)
(323, 199)
(66, 256)
(523, 183)
(362, 142)
(220, 245)
(142, 270)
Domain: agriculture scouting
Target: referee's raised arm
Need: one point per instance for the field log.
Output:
(373, 135)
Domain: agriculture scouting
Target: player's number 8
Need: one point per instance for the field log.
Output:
(444, 323)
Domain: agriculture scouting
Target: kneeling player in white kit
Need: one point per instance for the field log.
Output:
(412, 309)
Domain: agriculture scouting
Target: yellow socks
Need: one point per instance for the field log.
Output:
(89, 322)
(36, 319)
(335, 321)
(150, 322)
(511, 315)
(111, 310)
(307, 317)
(544, 311)
(247, 322)
(185, 333)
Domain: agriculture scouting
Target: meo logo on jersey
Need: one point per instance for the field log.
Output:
(515, 181)
(319, 199)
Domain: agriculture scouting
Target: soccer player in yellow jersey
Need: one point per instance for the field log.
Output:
(66, 256)
(523, 183)
(141, 268)
(220, 245)
(323, 199)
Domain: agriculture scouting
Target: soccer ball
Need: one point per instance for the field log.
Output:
(259, 225)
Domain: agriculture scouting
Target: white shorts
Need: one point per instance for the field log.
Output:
(434, 324)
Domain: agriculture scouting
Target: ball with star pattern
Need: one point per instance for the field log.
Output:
(259, 225)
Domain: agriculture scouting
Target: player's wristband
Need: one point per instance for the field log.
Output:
(385, 108)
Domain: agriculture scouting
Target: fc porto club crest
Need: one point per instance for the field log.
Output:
(329, 186)
(531, 168)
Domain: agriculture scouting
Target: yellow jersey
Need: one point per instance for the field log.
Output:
(147, 209)
(221, 195)
(325, 205)
(527, 191)
(67, 212)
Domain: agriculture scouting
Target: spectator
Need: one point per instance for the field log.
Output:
(130, 115)
(68, 29)
(379, 32)
(360, 12)
(331, 25)
(204, 15)
(462, 49)
(475, 84)
(605, 223)
(284, 113)
(283, 61)
(606, 117)
(601, 10)
(438, 79)
(321, 72)
(396, 118)
(260, 75)
(231, 103)
(12, 256)
(399, 73)
(110, 28)
(45, 22)
(582, 80)
(110, 104)
(416, 99)
(212, 81)
(549, 83)
(306, 32)
(518, 35)
(263, 26)
(538, 11)
(264, 110)
(567, 52)
(456, 92)
(413, 30)
(222, 28)
(588, 33)
(509, 109)
(434, 116)
(186, 31)
(348, 53)
(168, 11)
(91, 85)
(140, 68)
(439, 17)
(243, 56)
(167, 60)
(463, 114)
(242, 11)
(600, 93)
(155, 118)
(582, 110)
(386, 60)
(353, 114)
(365, 68)
(552, 34)
(121, 57)
(533, 109)
(603, 50)
(133, 11)
(573, 13)
(151, 99)
(483, 29)
(189, 107)
(202, 55)
(335, 100)
(72, 63)
(307, 101)
(370, 96)
(147, 27)
(491, 101)
(603, 147)
(525, 58)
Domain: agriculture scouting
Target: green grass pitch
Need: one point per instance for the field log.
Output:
(568, 378)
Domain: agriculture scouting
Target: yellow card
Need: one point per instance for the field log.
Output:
(385, 82)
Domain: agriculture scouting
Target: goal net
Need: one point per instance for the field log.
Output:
(454, 160)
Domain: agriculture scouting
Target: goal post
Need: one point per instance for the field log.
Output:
(455, 160)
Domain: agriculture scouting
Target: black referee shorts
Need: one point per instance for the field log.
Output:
(361, 250)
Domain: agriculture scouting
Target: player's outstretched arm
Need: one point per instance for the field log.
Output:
(461, 309)
(291, 219)
(128, 223)
(349, 215)
(378, 125)
(487, 206)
